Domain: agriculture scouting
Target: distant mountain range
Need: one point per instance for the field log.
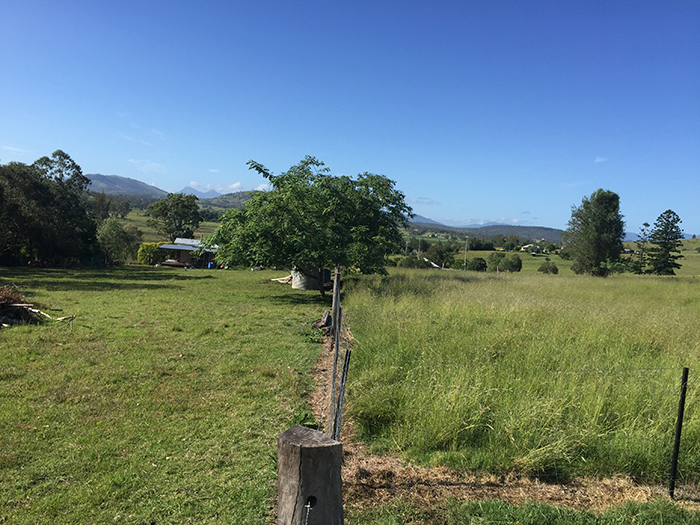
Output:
(116, 185)
(124, 186)
(488, 230)
(211, 194)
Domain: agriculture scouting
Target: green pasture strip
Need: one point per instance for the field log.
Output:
(495, 512)
(547, 375)
(138, 219)
(161, 405)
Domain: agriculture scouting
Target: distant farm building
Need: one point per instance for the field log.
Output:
(183, 254)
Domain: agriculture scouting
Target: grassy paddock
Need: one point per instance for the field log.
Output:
(549, 375)
(163, 403)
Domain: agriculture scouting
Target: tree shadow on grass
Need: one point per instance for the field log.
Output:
(101, 279)
(301, 298)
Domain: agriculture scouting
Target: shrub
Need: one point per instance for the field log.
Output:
(149, 253)
(413, 261)
(494, 261)
(477, 264)
(512, 263)
(548, 267)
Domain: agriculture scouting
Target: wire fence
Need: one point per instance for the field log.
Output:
(570, 414)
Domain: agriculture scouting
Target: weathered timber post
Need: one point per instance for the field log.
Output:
(309, 486)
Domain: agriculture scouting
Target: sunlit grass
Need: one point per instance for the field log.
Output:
(556, 375)
(161, 405)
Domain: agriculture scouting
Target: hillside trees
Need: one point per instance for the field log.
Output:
(175, 216)
(594, 235)
(46, 216)
(118, 243)
(639, 262)
(665, 236)
(312, 220)
(500, 262)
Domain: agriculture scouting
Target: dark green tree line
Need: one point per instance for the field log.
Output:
(45, 213)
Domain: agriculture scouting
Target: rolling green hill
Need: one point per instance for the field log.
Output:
(116, 185)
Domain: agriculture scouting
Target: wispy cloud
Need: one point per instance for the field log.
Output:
(133, 139)
(600, 159)
(12, 149)
(148, 167)
(213, 171)
(423, 201)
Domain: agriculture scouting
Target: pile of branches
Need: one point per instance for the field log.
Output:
(15, 310)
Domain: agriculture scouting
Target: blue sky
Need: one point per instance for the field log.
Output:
(481, 111)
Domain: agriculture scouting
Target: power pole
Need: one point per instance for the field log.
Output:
(466, 249)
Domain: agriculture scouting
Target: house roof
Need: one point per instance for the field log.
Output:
(188, 245)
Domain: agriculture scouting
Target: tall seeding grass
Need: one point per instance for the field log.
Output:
(546, 375)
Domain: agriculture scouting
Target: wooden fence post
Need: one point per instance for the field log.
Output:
(309, 485)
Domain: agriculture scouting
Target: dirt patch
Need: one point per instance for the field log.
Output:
(370, 480)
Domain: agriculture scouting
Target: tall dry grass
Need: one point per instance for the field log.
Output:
(555, 375)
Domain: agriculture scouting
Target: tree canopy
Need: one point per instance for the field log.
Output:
(593, 239)
(665, 236)
(118, 243)
(175, 216)
(44, 212)
(312, 220)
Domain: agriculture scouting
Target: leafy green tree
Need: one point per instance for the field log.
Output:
(494, 261)
(639, 261)
(101, 207)
(47, 217)
(442, 254)
(121, 209)
(118, 243)
(477, 264)
(175, 216)
(312, 220)
(666, 237)
(512, 263)
(595, 233)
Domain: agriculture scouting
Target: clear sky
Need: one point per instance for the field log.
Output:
(508, 111)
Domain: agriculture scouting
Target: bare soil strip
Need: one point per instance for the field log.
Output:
(370, 480)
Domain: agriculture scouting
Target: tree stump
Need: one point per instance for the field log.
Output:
(309, 485)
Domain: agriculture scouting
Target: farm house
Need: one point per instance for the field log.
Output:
(183, 254)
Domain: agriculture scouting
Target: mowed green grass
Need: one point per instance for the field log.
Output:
(161, 405)
(552, 375)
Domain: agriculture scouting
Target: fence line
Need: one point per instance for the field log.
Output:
(335, 376)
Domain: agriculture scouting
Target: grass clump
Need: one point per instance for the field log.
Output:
(548, 376)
